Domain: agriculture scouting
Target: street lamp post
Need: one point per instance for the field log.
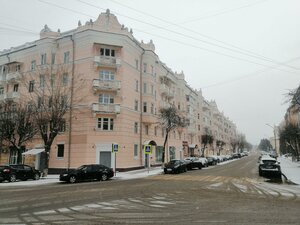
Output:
(274, 130)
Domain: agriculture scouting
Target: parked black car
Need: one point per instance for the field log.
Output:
(87, 172)
(211, 161)
(14, 172)
(176, 166)
(193, 162)
(269, 167)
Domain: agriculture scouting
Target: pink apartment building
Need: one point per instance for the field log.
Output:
(123, 84)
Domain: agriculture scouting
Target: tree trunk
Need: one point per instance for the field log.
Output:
(164, 149)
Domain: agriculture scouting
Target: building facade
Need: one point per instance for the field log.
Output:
(119, 85)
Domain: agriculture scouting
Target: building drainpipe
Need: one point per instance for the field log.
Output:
(71, 103)
(141, 107)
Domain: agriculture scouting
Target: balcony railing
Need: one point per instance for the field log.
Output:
(106, 85)
(13, 76)
(165, 90)
(149, 118)
(106, 108)
(164, 104)
(191, 129)
(107, 61)
(10, 95)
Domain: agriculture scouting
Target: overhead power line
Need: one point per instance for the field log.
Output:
(224, 11)
(235, 48)
(178, 33)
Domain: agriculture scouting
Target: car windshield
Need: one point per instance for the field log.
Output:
(173, 162)
(266, 161)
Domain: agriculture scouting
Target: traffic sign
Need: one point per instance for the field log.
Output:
(115, 147)
(148, 149)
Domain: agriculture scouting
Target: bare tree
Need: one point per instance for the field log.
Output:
(220, 145)
(50, 99)
(206, 139)
(17, 126)
(170, 120)
(234, 144)
(293, 96)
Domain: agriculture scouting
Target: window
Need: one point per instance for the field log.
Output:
(31, 86)
(106, 75)
(152, 90)
(145, 68)
(135, 150)
(43, 59)
(50, 102)
(53, 59)
(33, 64)
(137, 85)
(40, 101)
(145, 107)
(105, 123)
(16, 87)
(152, 108)
(145, 88)
(107, 52)
(1, 90)
(199, 127)
(136, 105)
(65, 79)
(64, 100)
(60, 150)
(155, 131)
(42, 80)
(136, 127)
(147, 129)
(137, 64)
(66, 57)
(18, 67)
(158, 153)
(106, 99)
(152, 70)
(52, 80)
(62, 126)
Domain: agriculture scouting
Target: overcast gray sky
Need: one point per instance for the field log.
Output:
(244, 54)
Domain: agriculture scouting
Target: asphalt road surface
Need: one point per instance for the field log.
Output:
(225, 194)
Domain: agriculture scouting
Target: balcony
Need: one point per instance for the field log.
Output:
(111, 62)
(164, 104)
(112, 85)
(2, 79)
(14, 76)
(10, 95)
(106, 108)
(165, 90)
(149, 118)
(191, 129)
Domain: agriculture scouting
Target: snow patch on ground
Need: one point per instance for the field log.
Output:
(290, 169)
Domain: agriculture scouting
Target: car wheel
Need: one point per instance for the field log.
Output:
(104, 177)
(12, 178)
(36, 177)
(72, 179)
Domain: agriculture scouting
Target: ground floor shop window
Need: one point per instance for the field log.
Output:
(158, 153)
(172, 152)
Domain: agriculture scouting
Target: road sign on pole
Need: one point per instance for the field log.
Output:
(115, 147)
(148, 149)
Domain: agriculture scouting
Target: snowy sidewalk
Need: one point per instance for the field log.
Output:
(290, 169)
(55, 178)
